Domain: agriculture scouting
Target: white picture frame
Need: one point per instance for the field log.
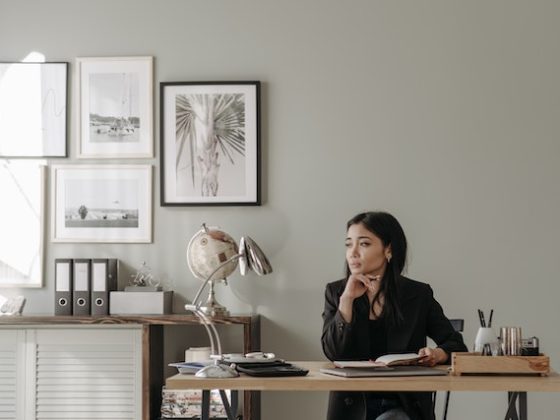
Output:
(22, 223)
(115, 107)
(101, 203)
(33, 109)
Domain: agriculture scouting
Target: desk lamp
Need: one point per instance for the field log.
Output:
(214, 252)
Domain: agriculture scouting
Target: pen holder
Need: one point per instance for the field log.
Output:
(486, 335)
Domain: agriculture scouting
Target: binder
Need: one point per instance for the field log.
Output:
(104, 279)
(82, 282)
(63, 286)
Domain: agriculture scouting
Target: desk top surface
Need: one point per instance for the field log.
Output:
(317, 381)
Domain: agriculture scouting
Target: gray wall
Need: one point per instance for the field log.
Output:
(442, 112)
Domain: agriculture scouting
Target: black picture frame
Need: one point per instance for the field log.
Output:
(34, 109)
(216, 164)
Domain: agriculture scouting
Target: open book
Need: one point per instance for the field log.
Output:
(386, 360)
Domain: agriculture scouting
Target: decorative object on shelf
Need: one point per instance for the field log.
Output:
(12, 306)
(210, 143)
(33, 103)
(22, 226)
(102, 203)
(213, 253)
(115, 102)
(143, 281)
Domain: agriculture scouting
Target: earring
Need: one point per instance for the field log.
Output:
(389, 256)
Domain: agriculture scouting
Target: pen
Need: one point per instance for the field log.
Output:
(490, 319)
(480, 318)
(483, 321)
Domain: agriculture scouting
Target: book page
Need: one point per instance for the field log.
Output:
(395, 359)
(385, 360)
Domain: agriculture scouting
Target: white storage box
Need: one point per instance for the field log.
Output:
(141, 303)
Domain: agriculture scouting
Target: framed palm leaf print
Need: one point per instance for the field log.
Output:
(210, 143)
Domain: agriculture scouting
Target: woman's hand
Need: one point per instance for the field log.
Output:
(358, 284)
(432, 357)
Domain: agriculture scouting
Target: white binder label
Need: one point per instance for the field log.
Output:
(99, 275)
(81, 277)
(62, 277)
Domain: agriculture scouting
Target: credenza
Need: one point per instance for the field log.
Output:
(75, 364)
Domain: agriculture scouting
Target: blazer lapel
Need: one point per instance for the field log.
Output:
(398, 338)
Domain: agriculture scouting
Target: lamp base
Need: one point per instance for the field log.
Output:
(215, 310)
(217, 371)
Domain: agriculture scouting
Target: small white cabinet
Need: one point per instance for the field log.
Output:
(71, 372)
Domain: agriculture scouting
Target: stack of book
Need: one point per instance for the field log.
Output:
(187, 404)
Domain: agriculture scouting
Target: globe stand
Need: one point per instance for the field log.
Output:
(211, 307)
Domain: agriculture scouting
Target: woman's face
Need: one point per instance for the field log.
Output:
(365, 253)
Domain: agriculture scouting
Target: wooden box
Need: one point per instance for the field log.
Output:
(475, 363)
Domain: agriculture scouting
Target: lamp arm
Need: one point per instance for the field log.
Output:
(212, 333)
(195, 301)
(204, 322)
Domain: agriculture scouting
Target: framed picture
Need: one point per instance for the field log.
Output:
(22, 227)
(33, 103)
(210, 143)
(101, 203)
(115, 102)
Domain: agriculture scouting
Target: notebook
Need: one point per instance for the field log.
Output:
(384, 371)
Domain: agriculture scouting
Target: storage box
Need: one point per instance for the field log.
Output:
(187, 404)
(475, 363)
(141, 303)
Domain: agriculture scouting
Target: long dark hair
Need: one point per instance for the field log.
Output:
(387, 228)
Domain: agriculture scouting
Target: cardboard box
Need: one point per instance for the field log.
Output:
(141, 303)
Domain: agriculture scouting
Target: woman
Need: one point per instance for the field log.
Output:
(375, 311)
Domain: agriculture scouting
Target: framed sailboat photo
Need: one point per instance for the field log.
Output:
(115, 100)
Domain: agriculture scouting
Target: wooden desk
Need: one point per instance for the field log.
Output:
(518, 386)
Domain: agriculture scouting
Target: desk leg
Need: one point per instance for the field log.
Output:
(517, 406)
(205, 404)
(231, 411)
(522, 406)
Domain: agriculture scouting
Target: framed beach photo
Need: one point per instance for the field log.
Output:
(101, 203)
(115, 107)
(210, 143)
(33, 109)
(22, 227)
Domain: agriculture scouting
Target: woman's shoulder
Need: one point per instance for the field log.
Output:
(336, 286)
(409, 285)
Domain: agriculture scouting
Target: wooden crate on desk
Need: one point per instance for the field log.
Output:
(475, 363)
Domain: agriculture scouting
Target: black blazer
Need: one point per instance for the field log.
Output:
(423, 317)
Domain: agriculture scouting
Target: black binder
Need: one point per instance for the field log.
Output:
(63, 273)
(104, 279)
(82, 285)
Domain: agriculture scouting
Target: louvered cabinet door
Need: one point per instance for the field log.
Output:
(12, 374)
(88, 373)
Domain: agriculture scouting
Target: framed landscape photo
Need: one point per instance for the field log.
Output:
(115, 107)
(33, 109)
(210, 143)
(101, 203)
(22, 227)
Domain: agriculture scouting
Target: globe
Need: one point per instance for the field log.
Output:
(207, 250)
